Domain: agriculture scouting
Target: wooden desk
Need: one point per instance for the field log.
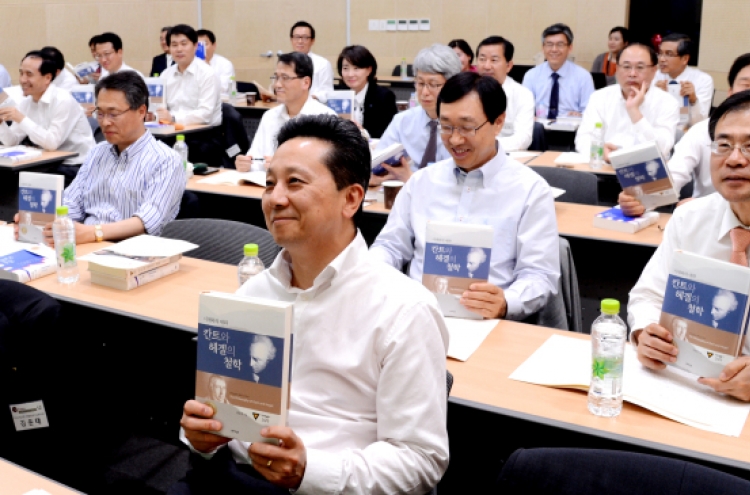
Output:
(188, 129)
(47, 158)
(17, 481)
(259, 105)
(547, 159)
(574, 220)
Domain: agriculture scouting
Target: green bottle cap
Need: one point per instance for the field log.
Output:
(61, 210)
(180, 137)
(598, 125)
(251, 250)
(610, 306)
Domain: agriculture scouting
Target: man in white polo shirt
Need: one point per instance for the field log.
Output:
(109, 54)
(303, 38)
(222, 66)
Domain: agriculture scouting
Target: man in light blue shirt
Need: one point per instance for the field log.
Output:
(480, 185)
(417, 127)
(561, 88)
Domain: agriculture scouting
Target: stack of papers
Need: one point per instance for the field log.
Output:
(234, 178)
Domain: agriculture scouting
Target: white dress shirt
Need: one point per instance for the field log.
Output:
(225, 70)
(123, 67)
(264, 142)
(704, 90)
(55, 122)
(358, 113)
(701, 227)
(322, 81)
(660, 111)
(368, 397)
(193, 97)
(4, 78)
(692, 160)
(519, 117)
(411, 128)
(504, 194)
(65, 80)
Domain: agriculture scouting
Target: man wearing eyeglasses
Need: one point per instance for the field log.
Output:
(109, 54)
(480, 185)
(130, 185)
(694, 89)
(561, 88)
(630, 111)
(302, 35)
(716, 226)
(291, 82)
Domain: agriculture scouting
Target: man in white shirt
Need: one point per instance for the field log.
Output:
(302, 35)
(495, 58)
(222, 66)
(368, 406)
(291, 82)
(631, 112)
(694, 89)
(715, 226)
(64, 79)
(48, 116)
(5, 81)
(691, 159)
(109, 54)
(480, 185)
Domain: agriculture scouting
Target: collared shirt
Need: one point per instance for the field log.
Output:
(193, 96)
(358, 114)
(411, 128)
(368, 397)
(4, 78)
(264, 142)
(519, 117)
(322, 81)
(123, 67)
(692, 160)
(65, 80)
(701, 227)
(225, 70)
(704, 90)
(510, 197)
(55, 122)
(576, 86)
(146, 180)
(607, 105)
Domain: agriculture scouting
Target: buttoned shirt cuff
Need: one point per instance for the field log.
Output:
(514, 305)
(322, 473)
(206, 455)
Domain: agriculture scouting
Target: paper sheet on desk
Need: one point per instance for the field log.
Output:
(465, 336)
(9, 245)
(234, 178)
(566, 362)
(148, 245)
(571, 158)
(517, 155)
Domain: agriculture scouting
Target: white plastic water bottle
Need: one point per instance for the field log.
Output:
(182, 150)
(64, 233)
(232, 89)
(250, 265)
(404, 72)
(608, 335)
(596, 158)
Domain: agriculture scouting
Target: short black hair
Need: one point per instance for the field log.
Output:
(349, 157)
(303, 24)
(208, 34)
(464, 47)
(183, 29)
(129, 83)
(558, 28)
(490, 93)
(110, 38)
(94, 40)
(739, 63)
(358, 56)
(302, 63)
(684, 44)
(55, 55)
(508, 48)
(651, 52)
(624, 32)
(47, 66)
(165, 28)
(738, 102)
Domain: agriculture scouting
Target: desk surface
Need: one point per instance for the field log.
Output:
(260, 105)
(483, 382)
(17, 481)
(188, 129)
(46, 158)
(547, 159)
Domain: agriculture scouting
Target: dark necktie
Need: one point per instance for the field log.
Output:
(554, 97)
(430, 153)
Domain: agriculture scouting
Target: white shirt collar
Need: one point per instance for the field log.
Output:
(728, 221)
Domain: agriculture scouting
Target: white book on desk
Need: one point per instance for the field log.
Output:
(565, 362)
(615, 219)
(235, 178)
(136, 255)
(134, 281)
(158, 129)
(21, 261)
(10, 155)
(39, 195)
(643, 173)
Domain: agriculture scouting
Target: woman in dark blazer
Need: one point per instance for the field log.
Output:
(358, 68)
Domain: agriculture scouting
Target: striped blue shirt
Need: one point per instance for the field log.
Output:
(146, 180)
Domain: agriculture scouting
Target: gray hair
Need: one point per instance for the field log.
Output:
(437, 59)
(558, 28)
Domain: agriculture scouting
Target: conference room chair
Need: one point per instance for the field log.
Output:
(563, 311)
(222, 240)
(687, 189)
(567, 471)
(397, 71)
(234, 134)
(189, 206)
(538, 138)
(247, 87)
(580, 187)
(518, 71)
(96, 130)
(600, 80)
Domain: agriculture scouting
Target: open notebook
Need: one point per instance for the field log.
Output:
(234, 178)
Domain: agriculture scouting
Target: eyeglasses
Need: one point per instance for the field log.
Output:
(99, 56)
(430, 85)
(447, 130)
(558, 45)
(109, 115)
(283, 78)
(638, 68)
(301, 38)
(668, 54)
(725, 148)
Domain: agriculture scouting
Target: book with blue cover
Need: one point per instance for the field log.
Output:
(456, 256)
(39, 195)
(84, 94)
(643, 173)
(27, 263)
(10, 155)
(341, 102)
(155, 87)
(391, 155)
(615, 219)
(706, 309)
(244, 362)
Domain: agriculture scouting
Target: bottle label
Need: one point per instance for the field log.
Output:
(67, 255)
(606, 367)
